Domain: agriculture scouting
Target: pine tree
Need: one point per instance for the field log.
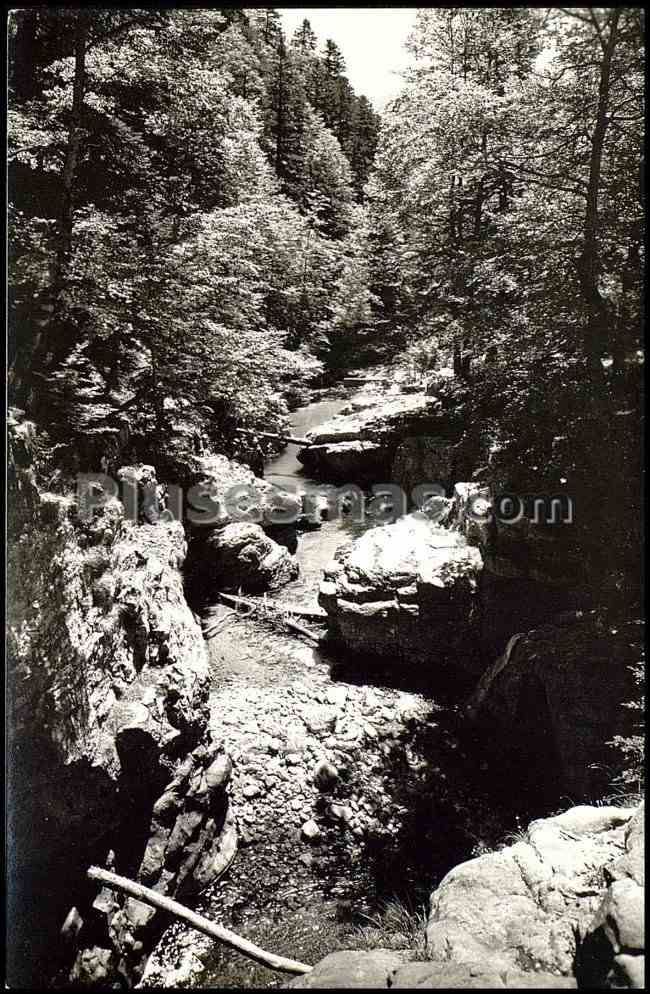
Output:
(304, 39)
(333, 60)
(363, 141)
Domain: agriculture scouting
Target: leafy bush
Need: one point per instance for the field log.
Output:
(629, 781)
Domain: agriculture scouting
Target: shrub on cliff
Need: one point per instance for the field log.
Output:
(629, 781)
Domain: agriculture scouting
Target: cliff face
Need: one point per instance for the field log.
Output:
(110, 749)
(564, 686)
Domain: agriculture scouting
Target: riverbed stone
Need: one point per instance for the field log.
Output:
(325, 775)
(352, 969)
(311, 831)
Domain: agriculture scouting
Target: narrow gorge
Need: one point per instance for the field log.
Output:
(325, 620)
(298, 788)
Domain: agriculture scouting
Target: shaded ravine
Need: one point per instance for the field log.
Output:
(364, 761)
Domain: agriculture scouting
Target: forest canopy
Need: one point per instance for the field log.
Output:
(206, 217)
(183, 190)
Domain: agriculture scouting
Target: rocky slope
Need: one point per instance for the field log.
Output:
(565, 686)
(561, 908)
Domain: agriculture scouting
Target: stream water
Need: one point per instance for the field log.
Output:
(317, 547)
(409, 797)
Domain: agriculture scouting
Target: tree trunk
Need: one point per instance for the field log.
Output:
(72, 153)
(279, 136)
(53, 342)
(588, 264)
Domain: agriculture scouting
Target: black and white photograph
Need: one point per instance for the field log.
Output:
(324, 497)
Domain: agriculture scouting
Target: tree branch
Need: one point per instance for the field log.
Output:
(201, 924)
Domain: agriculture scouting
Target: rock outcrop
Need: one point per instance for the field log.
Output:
(525, 905)
(561, 908)
(383, 968)
(407, 592)
(235, 520)
(563, 687)
(612, 949)
(530, 571)
(354, 461)
(109, 732)
(359, 447)
(352, 969)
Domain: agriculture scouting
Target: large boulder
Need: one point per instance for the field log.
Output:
(526, 905)
(474, 976)
(347, 462)
(558, 691)
(391, 416)
(108, 682)
(377, 969)
(241, 556)
(407, 592)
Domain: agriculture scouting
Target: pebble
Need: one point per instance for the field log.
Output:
(325, 775)
(311, 831)
(342, 812)
(337, 695)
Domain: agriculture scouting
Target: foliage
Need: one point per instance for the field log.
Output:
(394, 926)
(504, 213)
(629, 781)
(179, 210)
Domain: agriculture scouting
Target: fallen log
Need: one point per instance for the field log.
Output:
(201, 924)
(277, 437)
(295, 627)
(279, 614)
(299, 612)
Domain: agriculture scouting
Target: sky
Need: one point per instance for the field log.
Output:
(370, 38)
